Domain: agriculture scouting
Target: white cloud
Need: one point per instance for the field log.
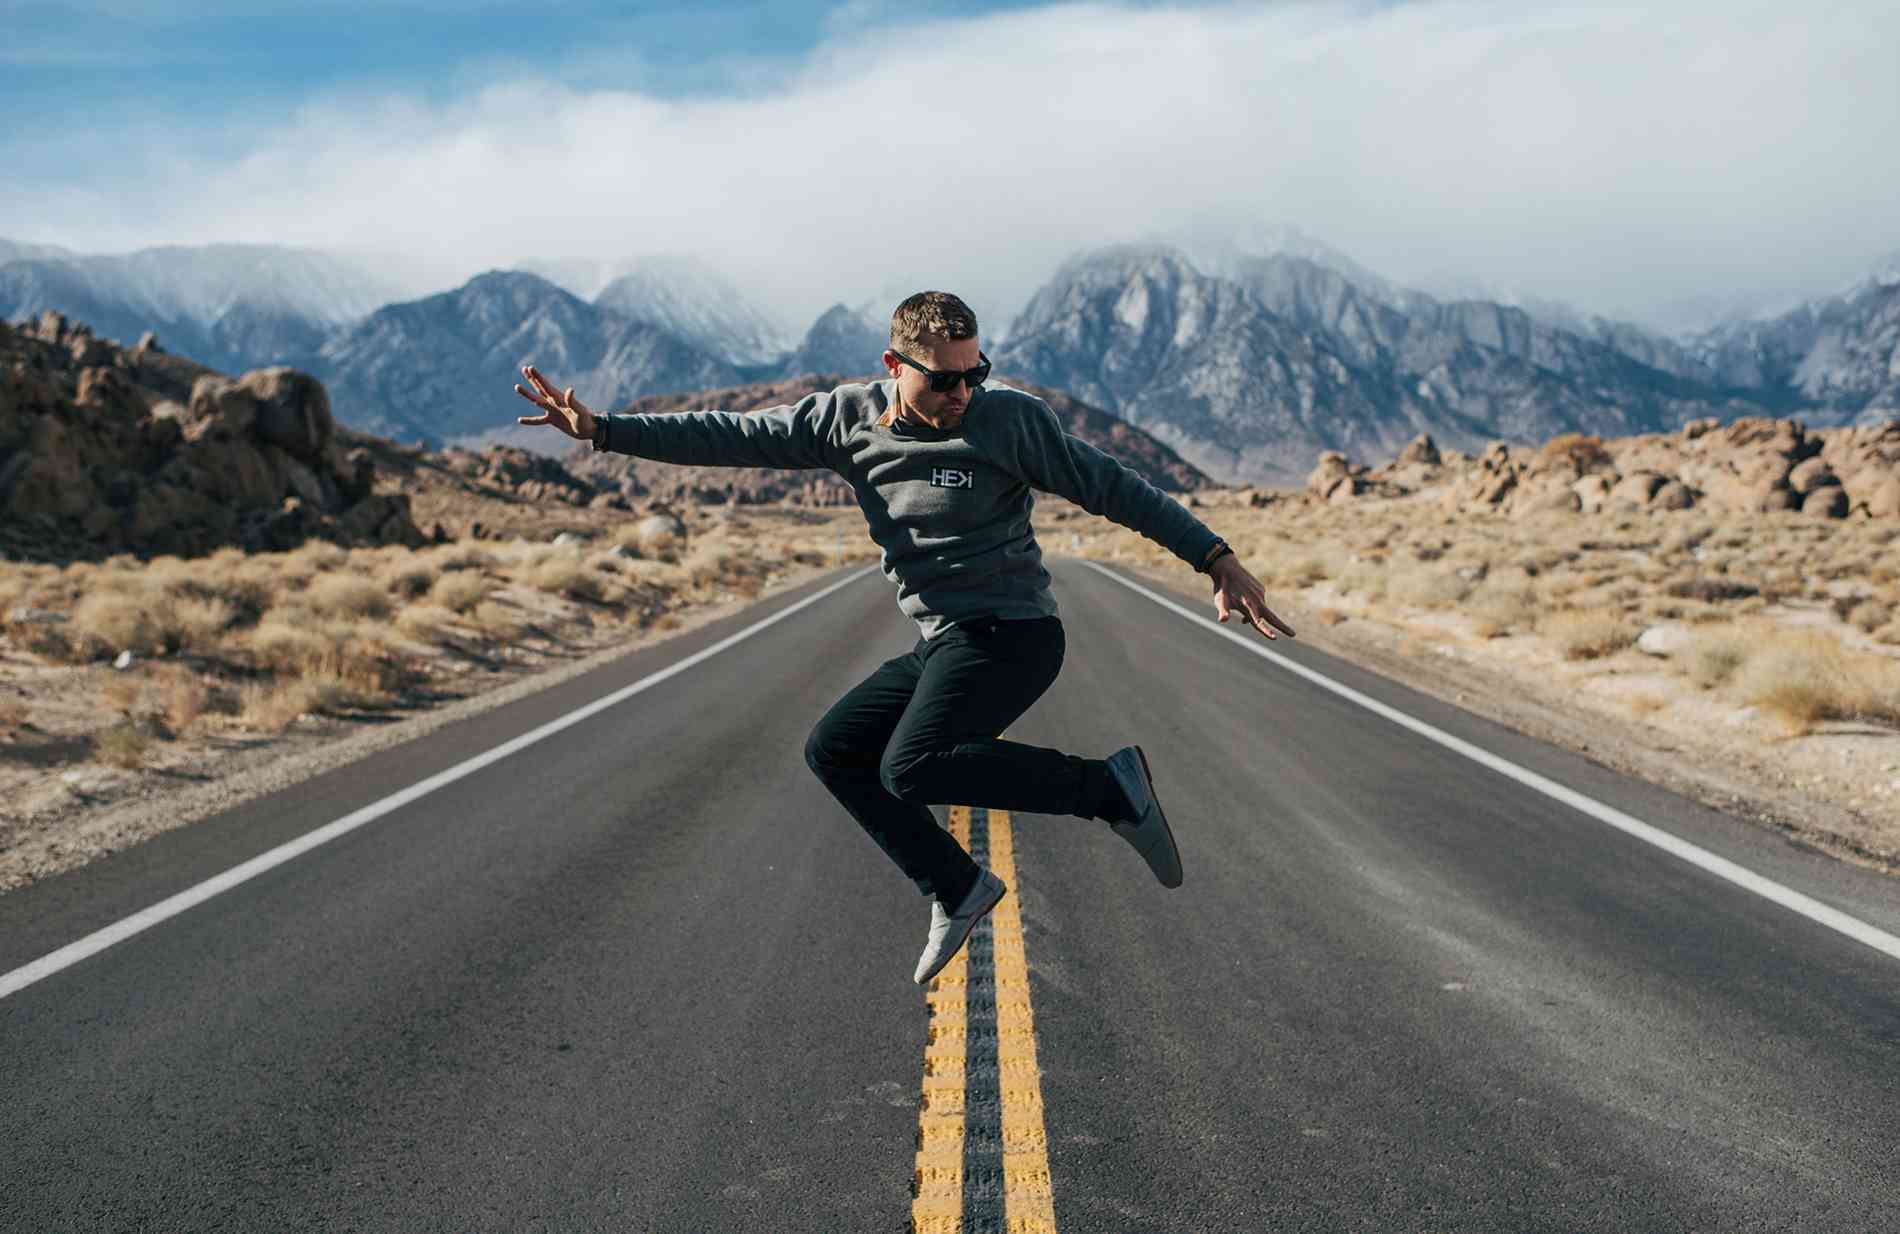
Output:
(1620, 155)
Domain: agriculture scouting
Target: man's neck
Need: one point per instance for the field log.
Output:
(906, 414)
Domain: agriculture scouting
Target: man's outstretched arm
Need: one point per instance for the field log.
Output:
(1050, 459)
(796, 436)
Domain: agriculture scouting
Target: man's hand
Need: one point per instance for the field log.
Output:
(1235, 590)
(563, 411)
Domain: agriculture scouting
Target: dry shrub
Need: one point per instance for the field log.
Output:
(1500, 607)
(497, 620)
(570, 578)
(456, 557)
(201, 622)
(429, 623)
(1868, 615)
(1330, 616)
(126, 744)
(123, 692)
(408, 577)
(1362, 578)
(274, 707)
(1888, 635)
(321, 555)
(1715, 655)
(459, 592)
(1428, 588)
(1583, 452)
(113, 620)
(1589, 634)
(355, 653)
(1307, 571)
(1809, 677)
(348, 595)
(182, 698)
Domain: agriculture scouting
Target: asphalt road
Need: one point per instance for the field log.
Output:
(645, 975)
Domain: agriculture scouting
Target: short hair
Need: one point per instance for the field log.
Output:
(930, 317)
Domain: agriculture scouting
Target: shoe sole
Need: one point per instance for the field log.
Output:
(952, 953)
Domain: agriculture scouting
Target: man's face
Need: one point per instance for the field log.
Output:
(913, 388)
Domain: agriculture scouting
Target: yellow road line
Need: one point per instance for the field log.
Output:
(937, 1183)
(1029, 1197)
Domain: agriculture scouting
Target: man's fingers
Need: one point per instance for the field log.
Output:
(1267, 614)
(541, 419)
(532, 398)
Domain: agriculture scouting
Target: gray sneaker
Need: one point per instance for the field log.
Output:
(1148, 832)
(948, 931)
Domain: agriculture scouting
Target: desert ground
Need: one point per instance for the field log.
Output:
(1749, 662)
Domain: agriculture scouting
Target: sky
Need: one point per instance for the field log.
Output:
(1636, 160)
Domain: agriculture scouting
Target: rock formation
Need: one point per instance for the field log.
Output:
(1751, 466)
(105, 449)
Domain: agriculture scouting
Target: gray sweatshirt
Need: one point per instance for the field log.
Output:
(949, 507)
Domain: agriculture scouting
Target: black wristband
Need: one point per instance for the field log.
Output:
(1221, 549)
(600, 432)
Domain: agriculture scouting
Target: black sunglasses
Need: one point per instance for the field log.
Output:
(946, 381)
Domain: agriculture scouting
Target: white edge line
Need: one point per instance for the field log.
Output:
(1722, 867)
(145, 919)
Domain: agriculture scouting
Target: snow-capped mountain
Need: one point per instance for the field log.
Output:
(1250, 377)
(695, 302)
(842, 340)
(14, 250)
(231, 306)
(444, 367)
(1838, 357)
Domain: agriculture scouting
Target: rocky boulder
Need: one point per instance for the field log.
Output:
(105, 450)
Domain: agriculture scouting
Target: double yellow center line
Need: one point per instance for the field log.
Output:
(982, 1151)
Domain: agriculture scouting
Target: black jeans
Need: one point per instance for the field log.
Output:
(923, 730)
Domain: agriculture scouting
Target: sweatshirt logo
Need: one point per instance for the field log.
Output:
(952, 477)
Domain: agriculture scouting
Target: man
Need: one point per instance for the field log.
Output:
(943, 467)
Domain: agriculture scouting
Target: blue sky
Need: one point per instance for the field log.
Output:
(203, 61)
(1619, 154)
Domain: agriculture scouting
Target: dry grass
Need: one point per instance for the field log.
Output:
(122, 618)
(1589, 634)
(1810, 677)
(14, 714)
(1503, 608)
(126, 744)
(498, 621)
(1715, 655)
(408, 577)
(349, 596)
(427, 623)
(460, 592)
(1364, 579)
(1436, 588)
(182, 698)
(571, 578)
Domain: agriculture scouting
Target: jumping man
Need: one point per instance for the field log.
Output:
(943, 467)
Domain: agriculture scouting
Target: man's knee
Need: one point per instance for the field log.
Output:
(818, 755)
(904, 774)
